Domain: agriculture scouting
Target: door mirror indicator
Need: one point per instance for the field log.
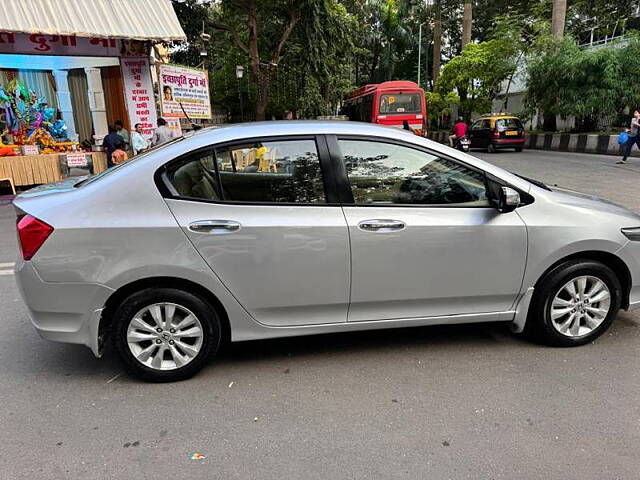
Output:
(509, 200)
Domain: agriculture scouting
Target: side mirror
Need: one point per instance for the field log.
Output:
(509, 200)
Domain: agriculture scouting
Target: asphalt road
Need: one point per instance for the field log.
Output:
(463, 402)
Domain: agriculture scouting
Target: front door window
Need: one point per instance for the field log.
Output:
(384, 173)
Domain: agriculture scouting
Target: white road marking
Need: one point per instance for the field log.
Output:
(6, 272)
(7, 265)
(114, 378)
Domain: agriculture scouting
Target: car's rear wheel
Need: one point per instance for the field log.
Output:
(518, 149)
(574, 304)
(165, 334)
(491, 148)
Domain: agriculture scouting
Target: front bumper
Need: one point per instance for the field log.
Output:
(630, 255)
(63, 312)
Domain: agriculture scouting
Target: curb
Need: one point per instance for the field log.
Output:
(564, 142)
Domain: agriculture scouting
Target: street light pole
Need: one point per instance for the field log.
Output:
(420, 50)
(239, 74)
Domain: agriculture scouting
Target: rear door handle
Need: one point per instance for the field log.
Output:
(381, 225)
(214, 226)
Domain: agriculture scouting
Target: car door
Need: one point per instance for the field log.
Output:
(259, 213)
(475, 134)
(424, 240)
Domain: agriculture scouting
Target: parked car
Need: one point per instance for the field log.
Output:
(497, 131)
(279, 229)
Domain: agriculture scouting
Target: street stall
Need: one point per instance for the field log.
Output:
(65, 77)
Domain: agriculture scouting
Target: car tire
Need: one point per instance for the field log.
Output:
(549, 320)
(518, 149)
(491, 148)
(143, 324)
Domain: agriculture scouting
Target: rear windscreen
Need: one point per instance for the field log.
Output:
(400, 103)
(508, 123)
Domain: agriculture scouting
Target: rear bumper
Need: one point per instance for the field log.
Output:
(508, 142)
(63, 312)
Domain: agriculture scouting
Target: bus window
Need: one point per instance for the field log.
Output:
(400, 103)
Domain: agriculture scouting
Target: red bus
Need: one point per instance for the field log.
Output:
(389, 103)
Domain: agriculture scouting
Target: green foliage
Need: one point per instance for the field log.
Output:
(440, 105)
(338, 45)
(477, 74)
(571, 81)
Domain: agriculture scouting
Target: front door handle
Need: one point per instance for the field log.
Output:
(214, 226)
(381, 225)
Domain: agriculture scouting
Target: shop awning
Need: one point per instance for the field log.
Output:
(133, 19)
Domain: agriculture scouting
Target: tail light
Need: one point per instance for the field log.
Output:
(32, 233)
(496, 134)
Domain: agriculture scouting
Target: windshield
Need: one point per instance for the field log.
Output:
(106, 172)
(400, 103)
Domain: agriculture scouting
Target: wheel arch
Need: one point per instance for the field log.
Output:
(611, 260)
(124, 291)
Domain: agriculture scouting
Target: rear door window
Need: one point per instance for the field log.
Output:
(279, 171)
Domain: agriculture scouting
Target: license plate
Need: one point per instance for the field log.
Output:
(511, 132)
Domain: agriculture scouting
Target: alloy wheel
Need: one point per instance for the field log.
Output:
(165, 336)
(580, 306)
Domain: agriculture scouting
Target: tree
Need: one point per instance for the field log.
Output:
(264, 51)
(589, 84)
(467, 22)
(437, 41)
(478, 72)
(558, 18)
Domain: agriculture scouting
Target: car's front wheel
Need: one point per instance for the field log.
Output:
(165, 334)
(574, 304)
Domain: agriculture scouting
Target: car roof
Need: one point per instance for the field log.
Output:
(296, 127)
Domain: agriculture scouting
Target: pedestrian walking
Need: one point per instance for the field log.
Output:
(634, 136)
(163, 133)
(138, 143)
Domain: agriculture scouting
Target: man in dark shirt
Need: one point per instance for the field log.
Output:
(110, 143)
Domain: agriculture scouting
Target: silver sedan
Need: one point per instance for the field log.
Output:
(279, 229)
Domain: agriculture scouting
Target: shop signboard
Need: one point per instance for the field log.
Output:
(77, 160)
(30, 150)
(184, 90)
(138, 92)
(69, 45)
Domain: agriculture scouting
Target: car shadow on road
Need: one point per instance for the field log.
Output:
(62, 361)
(373, 341)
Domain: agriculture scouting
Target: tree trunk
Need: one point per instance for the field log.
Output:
(437, 43)
(263, 83)
(374, 63)
(467, 23)
(558, 18)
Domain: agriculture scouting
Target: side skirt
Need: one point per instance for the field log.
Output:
(257, 332)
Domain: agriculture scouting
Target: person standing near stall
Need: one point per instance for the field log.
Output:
(120, 155)
(138, 142)
(110, 143)
(163, 133)
(120, 130)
